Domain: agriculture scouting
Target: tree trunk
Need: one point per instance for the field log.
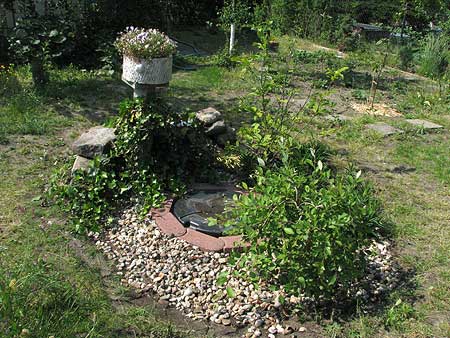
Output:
(38, 72)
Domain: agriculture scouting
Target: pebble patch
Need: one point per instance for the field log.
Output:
(182, 276)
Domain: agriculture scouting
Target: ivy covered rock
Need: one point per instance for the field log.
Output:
(95, 142)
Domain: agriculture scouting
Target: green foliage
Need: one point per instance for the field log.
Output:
(41, 38)
(307, 226)
(308, 229)
(155, 149)
(154, 137)
(236, 12)
(224, 59)
(89, 196)
(406, 55)
(435, 57)
(398, 314)
(303, 56)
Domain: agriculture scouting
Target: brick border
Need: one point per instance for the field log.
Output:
(170, 225)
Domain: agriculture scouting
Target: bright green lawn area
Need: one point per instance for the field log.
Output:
(52, 291)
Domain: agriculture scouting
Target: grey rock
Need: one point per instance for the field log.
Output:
(96, 141)
(217, 128)
(383, 128)
(424, 124)
(81, 163)
(208, 116)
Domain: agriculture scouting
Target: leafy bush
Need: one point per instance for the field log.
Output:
(155, 149)
(152, 136)
(304, 56)
(145, 43)
(307, 229)
(307, 225)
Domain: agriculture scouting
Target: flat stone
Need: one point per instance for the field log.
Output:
(202, 241)
(216, 128)
(95, 142)
(424, 124)
(81, 163)
(208, 116)
(383, 128)
(170, 225)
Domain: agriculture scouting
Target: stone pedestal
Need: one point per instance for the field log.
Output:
(147, 90)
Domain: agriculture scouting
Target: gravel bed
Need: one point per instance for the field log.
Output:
(182, 276)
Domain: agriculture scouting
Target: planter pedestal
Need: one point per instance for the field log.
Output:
(141, 90)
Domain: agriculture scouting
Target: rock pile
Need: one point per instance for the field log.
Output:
(95, 142)
(215, 126)
(184, 277)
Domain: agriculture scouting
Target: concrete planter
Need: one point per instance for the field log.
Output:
(147, 71)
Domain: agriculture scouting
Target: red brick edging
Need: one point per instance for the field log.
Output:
(170, 225)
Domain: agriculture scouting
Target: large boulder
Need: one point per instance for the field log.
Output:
(95, 142)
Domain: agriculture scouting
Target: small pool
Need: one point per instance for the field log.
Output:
(194, 209)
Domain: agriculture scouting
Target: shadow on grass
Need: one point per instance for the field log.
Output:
(93, 97)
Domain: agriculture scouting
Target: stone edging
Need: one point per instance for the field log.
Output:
(169, 224)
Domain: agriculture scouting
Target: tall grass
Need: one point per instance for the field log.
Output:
(435, 57)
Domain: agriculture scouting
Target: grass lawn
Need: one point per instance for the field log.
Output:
(53, 283)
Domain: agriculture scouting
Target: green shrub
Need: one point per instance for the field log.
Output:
(307, 228)
(154, 137)
(155, 149)
(435, 57)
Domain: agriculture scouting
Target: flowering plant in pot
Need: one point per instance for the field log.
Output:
(147, 56)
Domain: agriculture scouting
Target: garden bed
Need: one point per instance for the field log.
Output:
(199, 283)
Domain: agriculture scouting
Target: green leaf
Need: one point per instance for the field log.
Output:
(222, 278)
(230, 292)
(36, 42)
(289, 231)
(37, 198)
(332, 280)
